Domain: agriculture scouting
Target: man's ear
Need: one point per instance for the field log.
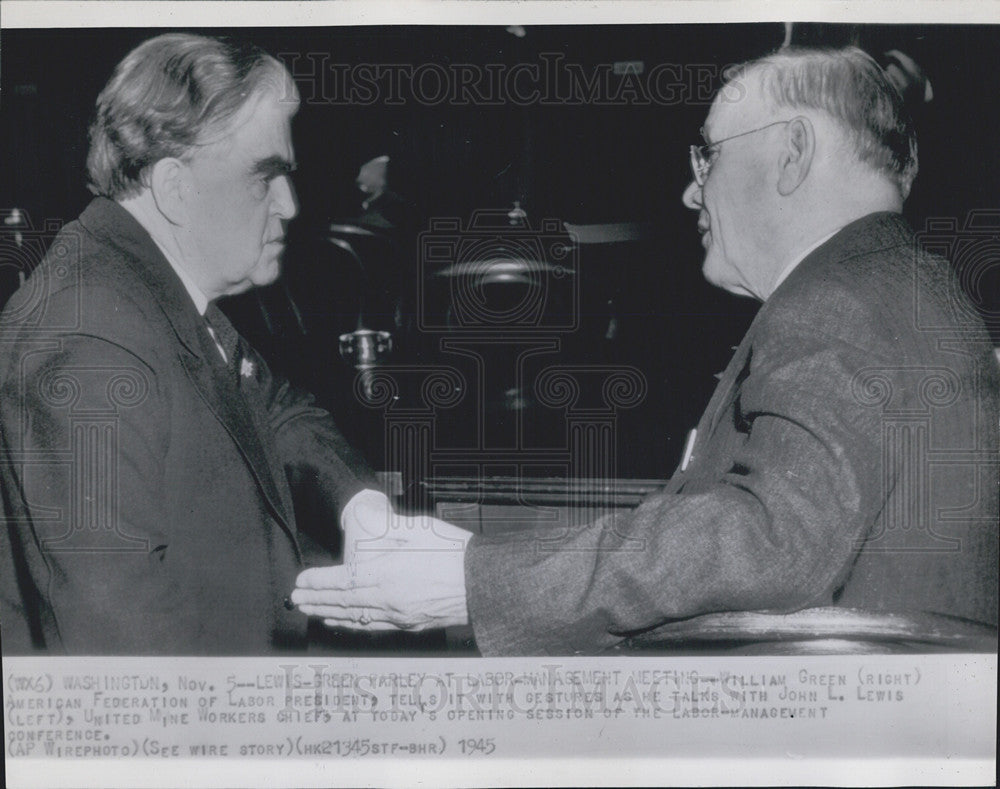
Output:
(166, 182)
(797, 155)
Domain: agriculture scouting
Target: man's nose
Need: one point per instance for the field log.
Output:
(692, 196)
(284, 202)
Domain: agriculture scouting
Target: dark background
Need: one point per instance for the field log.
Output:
(584, 163)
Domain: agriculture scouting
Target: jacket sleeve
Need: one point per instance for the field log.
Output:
(324, 471)
(772, 525)
(87, 538)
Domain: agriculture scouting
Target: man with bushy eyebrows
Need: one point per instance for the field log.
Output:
(149, 456)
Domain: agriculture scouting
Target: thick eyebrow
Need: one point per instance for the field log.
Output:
(273, 167)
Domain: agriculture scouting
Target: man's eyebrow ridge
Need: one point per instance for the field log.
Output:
(274, 166)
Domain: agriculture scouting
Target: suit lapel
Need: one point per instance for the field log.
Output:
(868, 233)
(199, 356)
(248, 395)
(859, 237)
(729, 385)
(223, 398)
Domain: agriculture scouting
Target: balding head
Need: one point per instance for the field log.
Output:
(797, 145)
(851, 89)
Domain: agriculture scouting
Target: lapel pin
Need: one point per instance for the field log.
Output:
(247, 368)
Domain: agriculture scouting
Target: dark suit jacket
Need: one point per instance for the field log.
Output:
(847, 456)
(147, 497)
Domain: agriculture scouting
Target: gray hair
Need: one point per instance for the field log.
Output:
(849, 86)
(163, 98)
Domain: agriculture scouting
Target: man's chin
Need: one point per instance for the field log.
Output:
(710, 270)
(266, 273)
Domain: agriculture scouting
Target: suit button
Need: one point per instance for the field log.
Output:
(289, 605)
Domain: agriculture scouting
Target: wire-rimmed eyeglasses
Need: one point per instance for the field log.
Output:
(703, 156)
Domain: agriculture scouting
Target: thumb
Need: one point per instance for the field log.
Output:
(365, 519)
(366, 514)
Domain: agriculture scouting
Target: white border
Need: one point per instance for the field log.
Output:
(291, 13)
(553, 772)
(506, 772)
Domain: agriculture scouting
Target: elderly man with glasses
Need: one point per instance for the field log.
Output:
(848, 455)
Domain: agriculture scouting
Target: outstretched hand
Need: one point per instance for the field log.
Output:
(399, 572)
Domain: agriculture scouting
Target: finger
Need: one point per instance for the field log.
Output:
(339, 577)
(376, 623)
(349, 624)
(335, 598)
(421, 533)
(357, 613)
(366, 514)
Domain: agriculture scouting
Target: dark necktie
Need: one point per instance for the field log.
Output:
(227, 337)
(248, 415)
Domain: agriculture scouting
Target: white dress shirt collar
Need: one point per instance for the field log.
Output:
(200, 299)
(135, 208)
